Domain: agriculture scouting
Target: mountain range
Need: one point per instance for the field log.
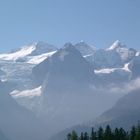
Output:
(45, 90)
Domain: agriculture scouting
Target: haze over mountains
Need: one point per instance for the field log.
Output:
(51, 89)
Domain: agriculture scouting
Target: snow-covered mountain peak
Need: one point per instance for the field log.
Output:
(68, 50)
(81, 43)
(137, 54)
(117, 44)
(67, 61)
(125, 53)
(41, 48)
(84, 48)
(33, 53)
(68, 46)
(24, 51)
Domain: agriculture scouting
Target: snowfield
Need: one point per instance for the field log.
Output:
(27, 93)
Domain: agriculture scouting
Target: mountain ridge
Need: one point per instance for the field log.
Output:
(72, 84)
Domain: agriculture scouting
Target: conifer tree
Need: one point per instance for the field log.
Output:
(108, 133)
(69, 136)
(132, 133)
(123, 134)
(116, 134)
(81, 136)
(93, 135)
(74, 136)
(86, 137)
(137, 136)
(100, 133)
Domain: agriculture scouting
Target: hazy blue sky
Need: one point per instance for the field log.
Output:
(97, 22)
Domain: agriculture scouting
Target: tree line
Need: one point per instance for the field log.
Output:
(107, 134)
